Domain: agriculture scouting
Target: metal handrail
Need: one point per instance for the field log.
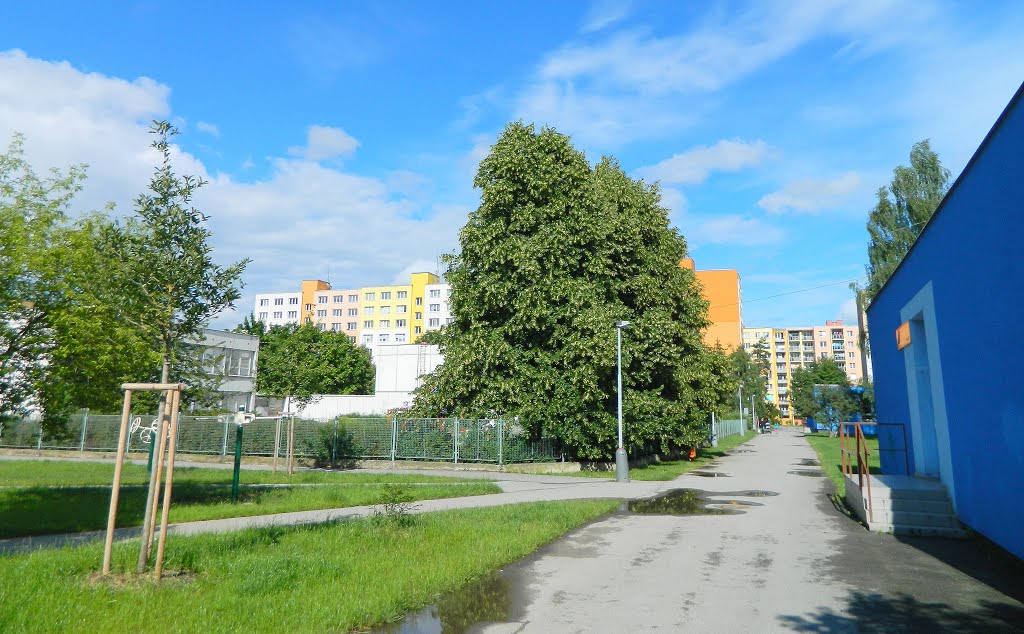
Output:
(863, 453)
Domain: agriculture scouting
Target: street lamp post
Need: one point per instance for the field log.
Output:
(621, 461)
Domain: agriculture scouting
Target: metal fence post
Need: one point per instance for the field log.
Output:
(224, 447)
(39, 444)
(455, 429)
(501, 437)
(334, 443)
(394, 437)
(85, 424)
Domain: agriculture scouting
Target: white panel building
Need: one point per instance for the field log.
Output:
(277, 309)
(438, 306)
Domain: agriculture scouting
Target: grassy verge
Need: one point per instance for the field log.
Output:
(71, 473)
(338, 577)
(39, 511)
(672, 469)
(830, 458)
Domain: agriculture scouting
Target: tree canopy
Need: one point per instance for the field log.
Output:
(301, 361)
(821, 391)
(557, 253)
(902, 210)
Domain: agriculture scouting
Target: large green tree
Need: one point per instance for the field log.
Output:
(902, 210)
(821, 390)
(302, 361)
(556, 253)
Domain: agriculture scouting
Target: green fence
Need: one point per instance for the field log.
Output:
(365, 438)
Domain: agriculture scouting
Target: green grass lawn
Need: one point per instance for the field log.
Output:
(831, 459)
(337, 577)
(671, 469)
(73, 472)
(69, 496)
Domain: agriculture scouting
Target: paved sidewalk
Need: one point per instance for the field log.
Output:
(793, 564)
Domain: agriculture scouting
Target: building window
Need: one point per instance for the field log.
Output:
(746, 335)
(418, 330)
(400, 337)
(337, 299)
(402, 295)
(263, 315)
(309, 306)
(293, 314)
(321, 299)
(435, 308)
(264, 302)
(435, 292)
(382, 338)
(435, 322)
(419, 301)
(449, 292)
(849, 355)
(367, 338)
(853, 366)
(293, 301)
(277, 314)
(278, 301)
(399, 323)
(335, 312)
(401, 309)
(385, 310)
(352, 312)
(335, 327)
(746, 346)
(449, 320)
(368, 310)
(353, 298)
(385, 323)
(368, 323)
(321, 313)
(418, 316)
(351, 338)
(385, 295)
(370, 297)
(821, 344)
(350, 325)
(322, 325)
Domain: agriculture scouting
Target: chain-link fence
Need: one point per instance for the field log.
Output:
(389, 438)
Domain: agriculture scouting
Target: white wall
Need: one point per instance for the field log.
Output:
(330, 406)
(399, 367)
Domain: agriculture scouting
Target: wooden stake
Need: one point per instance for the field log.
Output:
(115, 488)
(171, 452)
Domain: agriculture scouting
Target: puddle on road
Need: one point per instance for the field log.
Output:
(487, 600)
(729, 453)
(808, 473)
(710, 474)
(695, 502)
(809, 462)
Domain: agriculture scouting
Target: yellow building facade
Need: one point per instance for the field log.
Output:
(722, 290)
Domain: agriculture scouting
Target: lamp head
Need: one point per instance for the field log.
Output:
(621, 324)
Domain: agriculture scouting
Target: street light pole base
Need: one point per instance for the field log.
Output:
(621, 465)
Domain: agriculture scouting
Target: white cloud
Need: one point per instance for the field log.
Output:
(848, 311)
(810, 195)
(604, 13)
(302, 220)
(731, 229)
(323, 142)
(694, 166)
(674, 200)
(208, 128)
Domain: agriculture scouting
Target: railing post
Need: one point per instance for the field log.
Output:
(394, 438)
(85, 424)
(501, 438)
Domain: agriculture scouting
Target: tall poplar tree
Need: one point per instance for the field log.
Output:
(555, 254)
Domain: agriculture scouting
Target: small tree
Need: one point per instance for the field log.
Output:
(299, 362)
(822, 391)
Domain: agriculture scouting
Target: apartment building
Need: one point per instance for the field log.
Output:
(369, 315)
(794, 348)
(722, 290)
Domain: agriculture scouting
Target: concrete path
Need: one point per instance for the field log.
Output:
(793, 564)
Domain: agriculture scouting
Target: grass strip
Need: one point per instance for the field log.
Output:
(73, 472)
(41, 511)
(830, 459)
(672, 469)
(338, 577)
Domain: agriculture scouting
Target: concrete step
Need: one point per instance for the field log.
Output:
(885, 493)
(927, 531)
(911, 505)
(939, 520)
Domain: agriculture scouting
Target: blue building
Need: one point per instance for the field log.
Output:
(953, 374)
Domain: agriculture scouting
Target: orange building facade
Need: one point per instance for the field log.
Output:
(721, 289)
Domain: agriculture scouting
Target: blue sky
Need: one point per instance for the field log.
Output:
(340, 139)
